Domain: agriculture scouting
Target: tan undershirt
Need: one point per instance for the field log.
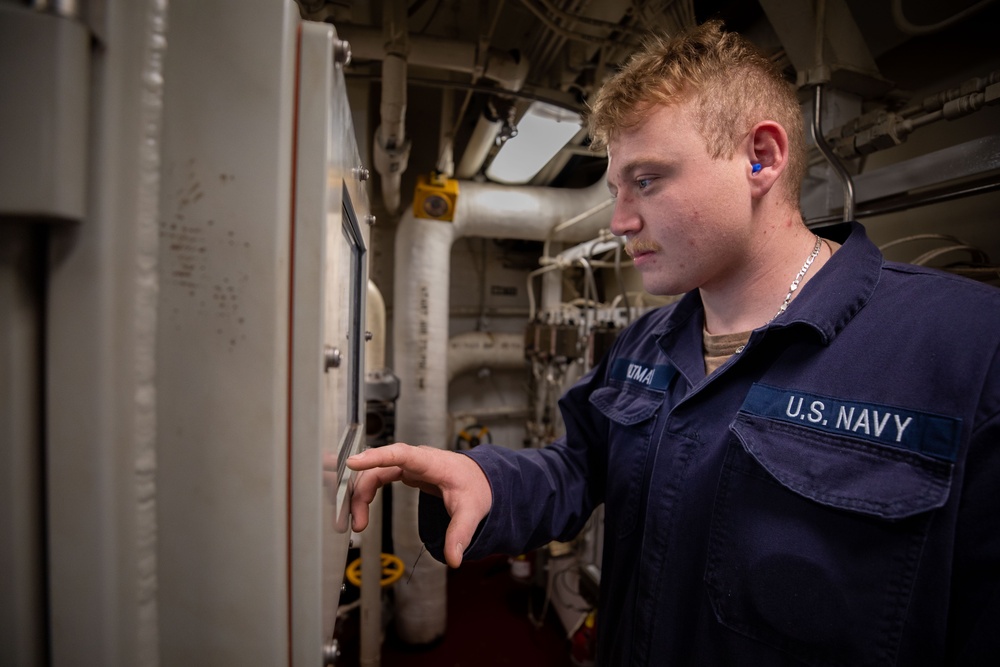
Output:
(719, 347)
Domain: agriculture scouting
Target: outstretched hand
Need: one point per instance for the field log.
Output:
(453, 477)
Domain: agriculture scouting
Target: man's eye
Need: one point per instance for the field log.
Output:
(643, 183)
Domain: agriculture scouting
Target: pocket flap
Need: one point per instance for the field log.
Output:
(844, 472)
(624, 405)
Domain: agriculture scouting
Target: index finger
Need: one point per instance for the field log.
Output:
(413, 459)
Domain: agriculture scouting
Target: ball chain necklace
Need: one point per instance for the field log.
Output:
(795, 283)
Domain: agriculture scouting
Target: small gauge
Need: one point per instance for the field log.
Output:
(435, 206)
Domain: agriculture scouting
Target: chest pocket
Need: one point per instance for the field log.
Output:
(816, 537)
(632, 411)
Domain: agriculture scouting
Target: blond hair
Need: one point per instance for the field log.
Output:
(732, 84)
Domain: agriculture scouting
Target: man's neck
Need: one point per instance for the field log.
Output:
(753, 293)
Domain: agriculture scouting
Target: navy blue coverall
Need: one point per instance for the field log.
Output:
(830, 496)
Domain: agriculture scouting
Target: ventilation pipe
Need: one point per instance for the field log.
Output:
(391, 147)
(420, 347)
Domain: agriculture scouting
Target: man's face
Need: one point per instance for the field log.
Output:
(684, 214)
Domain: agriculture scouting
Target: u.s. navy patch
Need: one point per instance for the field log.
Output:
(924, 432)
(656, 376)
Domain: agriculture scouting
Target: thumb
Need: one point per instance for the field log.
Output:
(458, 536)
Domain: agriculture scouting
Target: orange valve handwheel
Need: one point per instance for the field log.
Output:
(392, 570)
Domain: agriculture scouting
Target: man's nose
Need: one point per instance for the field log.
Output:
(624, 218)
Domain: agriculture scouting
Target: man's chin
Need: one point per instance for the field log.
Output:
(661, 287)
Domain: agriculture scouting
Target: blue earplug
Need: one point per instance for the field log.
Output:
(755, 167)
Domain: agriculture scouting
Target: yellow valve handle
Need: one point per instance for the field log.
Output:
(474, 440)
(465, 435)
(392, 570)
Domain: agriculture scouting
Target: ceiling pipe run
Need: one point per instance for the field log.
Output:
(507, 69)
(420, 346)
(482, 140)
(391, 146)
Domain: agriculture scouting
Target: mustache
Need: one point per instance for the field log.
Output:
(634, 247)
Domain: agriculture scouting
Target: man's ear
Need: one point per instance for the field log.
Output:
(767, 146)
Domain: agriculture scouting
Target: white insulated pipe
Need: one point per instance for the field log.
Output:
(391, 147)
(477, 349)
(375, 322)
(392, 108)
(446, 140)
(529, 213)
(420, 348)
(480, 142)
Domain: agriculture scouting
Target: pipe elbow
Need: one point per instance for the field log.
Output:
(508, 68)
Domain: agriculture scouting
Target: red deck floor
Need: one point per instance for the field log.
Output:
(488, 625)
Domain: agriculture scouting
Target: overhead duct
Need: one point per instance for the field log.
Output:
(420, 345)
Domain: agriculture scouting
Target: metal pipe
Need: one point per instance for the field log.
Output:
(596, 208)
(371, 587)
(492, 414)
(371, 541)
(903, 24)
(909, 203)
(67, 9)
(621, 284)
(597, 23)
(446, 140)
(479, 147)
(471, 351)
(392, 148)
(842, 173)
(562, 32)
(508, 70)
(554, 97)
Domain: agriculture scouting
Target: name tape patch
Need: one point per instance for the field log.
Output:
(930, 434)
(655, 377)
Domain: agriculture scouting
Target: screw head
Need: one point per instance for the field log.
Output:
(342, 52)
(331, 358)
(331, 652)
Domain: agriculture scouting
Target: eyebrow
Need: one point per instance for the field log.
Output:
(644, 162)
